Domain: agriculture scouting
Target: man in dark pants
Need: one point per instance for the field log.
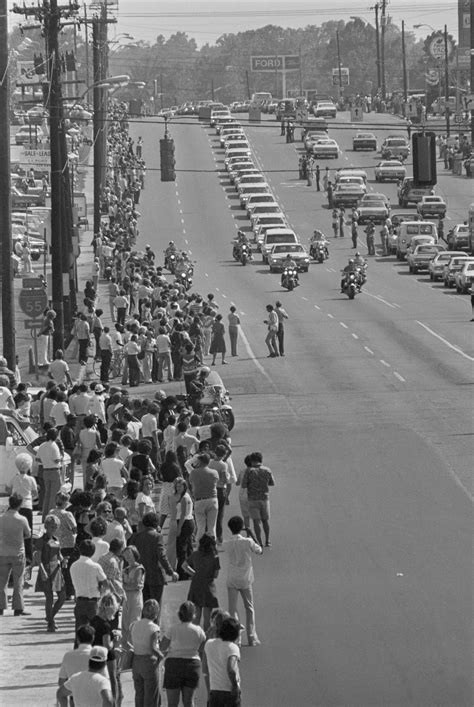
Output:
(105, 347)
(282, 315)
(317, 176)
(149, 543)
(87, 578)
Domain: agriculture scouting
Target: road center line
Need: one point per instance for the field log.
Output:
(445, 341)
(400, 378)
(343, 325)
(354, 335)
(316, 307)
(253, 357)
(380, 299)
(384, 363)
(330, 316)
(369, 350)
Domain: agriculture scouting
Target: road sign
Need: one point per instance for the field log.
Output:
(292, 62)
(32, 283)
(26, 73)
(357, 114)
(33, 302)
(344, 73)
(32, 323)
(266, 63)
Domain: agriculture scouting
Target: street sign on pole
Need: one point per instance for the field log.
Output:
(33, 302)
(344, 76)
(32, 324)
(436, 48)
(292, 62)
(357, 114)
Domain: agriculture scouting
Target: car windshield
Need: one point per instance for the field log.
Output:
(278, 238)
(254, 189)
(372, 202)
(426, 249)
(391, 163)
(287, 249)
(463, 229)
(364, 135)
(420, 228)
(396, 143)
(432, 198)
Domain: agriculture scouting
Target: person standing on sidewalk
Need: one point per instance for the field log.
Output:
(46, 331)
(317, 176)
(234, 322)
(49, 456)
(150, 546)
(83, 334)
(25, 486)
(240, 575)
(14, 530)
(203, 481)
(271, 338)
(257, 479)
(105, 349)
(282, 315)
(87, 578)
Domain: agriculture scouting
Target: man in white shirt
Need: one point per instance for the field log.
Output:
(150, 427)
(163, 346)
(222, 656)
(89, 688)
(87, 577)
(240, 573)
(105, 346)
(59, 370)
(77, 660)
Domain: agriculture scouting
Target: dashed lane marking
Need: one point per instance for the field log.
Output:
(369, 350)
(400, 378)
(384, 363)
(453, 347)
(343, 325)
(330, 316)
(305, 299)
(354, 336)
(380, 299)
(316, 307)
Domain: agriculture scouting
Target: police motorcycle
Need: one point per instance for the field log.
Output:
(318, 248)
(350, 284)
(184, 271)
(242, 252)
(171, 257)
(361, 269)
(214, 398)
(289, 278)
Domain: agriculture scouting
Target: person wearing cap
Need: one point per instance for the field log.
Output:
(89, 688)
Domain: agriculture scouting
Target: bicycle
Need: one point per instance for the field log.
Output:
(116, 365)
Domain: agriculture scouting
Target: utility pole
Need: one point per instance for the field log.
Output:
(339, 64)
(86, 29)
(404, 62)
(383, 23)
(8, 304)
(377, 43)
(472, 73)
(446, 80)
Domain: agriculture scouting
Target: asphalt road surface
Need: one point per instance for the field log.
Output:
(365, 597)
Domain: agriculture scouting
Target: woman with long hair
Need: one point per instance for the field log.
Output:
(105, 624)
(133, 577)
(50, 578)
(203, 566)
(145, 637)
(169, 471)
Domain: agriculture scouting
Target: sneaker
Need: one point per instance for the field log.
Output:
(254, 642)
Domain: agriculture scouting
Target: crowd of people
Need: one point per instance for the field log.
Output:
(132, 491)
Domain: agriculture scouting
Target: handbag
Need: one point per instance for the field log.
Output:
(125, 660)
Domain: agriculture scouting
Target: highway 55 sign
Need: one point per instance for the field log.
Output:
(275, 62)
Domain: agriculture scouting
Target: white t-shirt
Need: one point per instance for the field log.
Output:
(218, 653)
(111, 468)
(149, 425)
(5, 397)
(86, 688)
(26, 487)
(58, 369)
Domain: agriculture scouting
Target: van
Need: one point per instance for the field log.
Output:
(16, 437)
(276, 236)
(409, 230)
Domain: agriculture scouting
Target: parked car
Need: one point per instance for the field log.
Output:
(453, 266)
(411, 193)
(464, 278)
(432, 205)
(421, 256)
(437, 265)
(364, 141)
(458, 237)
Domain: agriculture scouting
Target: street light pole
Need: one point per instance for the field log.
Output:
(446, 81)
(377, 43)
(8, 305)
(383, 22)
(404, 62)
(339, 64)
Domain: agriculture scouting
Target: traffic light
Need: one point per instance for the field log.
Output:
(70, 61)
(167, 161)
(39, 64)
(424, 158)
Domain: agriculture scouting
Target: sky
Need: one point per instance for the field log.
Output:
(206, 20)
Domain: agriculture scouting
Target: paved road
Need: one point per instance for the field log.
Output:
(365, 597)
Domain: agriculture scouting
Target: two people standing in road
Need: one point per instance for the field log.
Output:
(275, 339)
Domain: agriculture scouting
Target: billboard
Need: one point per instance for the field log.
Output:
(275, 62)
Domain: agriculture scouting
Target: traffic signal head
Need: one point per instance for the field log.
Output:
(167, 161)
(424, 158)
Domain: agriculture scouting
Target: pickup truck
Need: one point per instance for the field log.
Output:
(411, 193)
